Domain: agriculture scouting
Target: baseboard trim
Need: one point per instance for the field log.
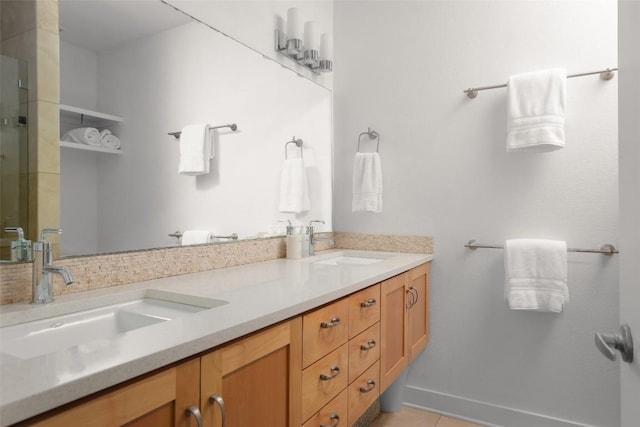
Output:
(475, 411)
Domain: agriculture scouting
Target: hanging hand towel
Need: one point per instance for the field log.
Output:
(195, 150)
(367, 183)
(536, 103)
(294, 192)
(88, 136)
(196, 237)
(536, 274)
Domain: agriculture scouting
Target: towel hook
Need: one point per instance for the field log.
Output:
(372, 135)
(298, 143)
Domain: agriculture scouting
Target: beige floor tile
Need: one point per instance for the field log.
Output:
(452, 422)
(408, 417)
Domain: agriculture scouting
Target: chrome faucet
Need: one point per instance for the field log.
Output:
(313, 238)
(42, 281)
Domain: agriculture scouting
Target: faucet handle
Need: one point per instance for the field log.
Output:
(49, 231)
(15, 230)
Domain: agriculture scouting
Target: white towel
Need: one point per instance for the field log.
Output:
(536, 104)
(196, 237)
(88, 136)
(294, 192)
(367, 183)
(109, 140)
(536, 274)
(195, 150)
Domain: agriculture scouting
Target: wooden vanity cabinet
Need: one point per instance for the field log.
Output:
(404, 320)
(158, 400)
(256, 379)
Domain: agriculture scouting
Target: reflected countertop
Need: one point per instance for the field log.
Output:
(258, 295)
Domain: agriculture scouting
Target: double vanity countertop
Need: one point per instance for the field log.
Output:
(252, 296)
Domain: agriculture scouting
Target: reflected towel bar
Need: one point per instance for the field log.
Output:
(178, 234)
(606, 249)
(607, 74)
(231, 126)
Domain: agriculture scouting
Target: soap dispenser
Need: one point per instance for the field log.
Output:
(21, 248)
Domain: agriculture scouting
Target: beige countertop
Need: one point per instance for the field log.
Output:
(257, 295)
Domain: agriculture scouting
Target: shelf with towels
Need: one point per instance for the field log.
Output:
(75, 145)
(72, 117)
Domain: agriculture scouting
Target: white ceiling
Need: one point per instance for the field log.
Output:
(102, 24)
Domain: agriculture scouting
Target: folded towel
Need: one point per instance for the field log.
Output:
(367, 183)
(196, 237)
(104, 133)
(536, 274)
(294, 192)
(111, 141)
(195, 150)
(536, 103)
(88, 136)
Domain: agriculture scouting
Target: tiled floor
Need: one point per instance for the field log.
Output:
(410, 417)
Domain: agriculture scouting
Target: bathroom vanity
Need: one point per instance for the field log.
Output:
(298, 342)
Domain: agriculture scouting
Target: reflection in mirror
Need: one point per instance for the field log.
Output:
(159, 72)
(14, 158)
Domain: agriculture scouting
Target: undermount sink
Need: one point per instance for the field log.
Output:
(359, 259)
(38, 337)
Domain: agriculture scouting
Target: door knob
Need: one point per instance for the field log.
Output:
(622, 342)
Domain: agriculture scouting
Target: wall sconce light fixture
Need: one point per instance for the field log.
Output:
(317, 56)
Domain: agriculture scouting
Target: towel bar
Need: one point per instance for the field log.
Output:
(298, 143)
(231, 126)
(178, 235)
(607, 74)
(372, 135)
(605, 249)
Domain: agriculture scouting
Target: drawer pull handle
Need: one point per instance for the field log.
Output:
(216, 398)
(371, 384)
(368, 303)
(335, 370)
(335, 321)
(370, 344)
(335, 420)
(193, 410)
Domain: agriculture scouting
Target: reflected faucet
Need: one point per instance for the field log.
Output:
(313, 238)
(43, 269)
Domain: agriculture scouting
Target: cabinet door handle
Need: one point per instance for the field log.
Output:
(335, 321)
(371, 384)
(335, 370)
(410, 298)
(369, 345)
(368, 303)
(335, 420)
(412, 289)
(216, 398)
(193, 410)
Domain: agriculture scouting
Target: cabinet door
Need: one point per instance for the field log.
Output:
(418, 292)
(256, 379)
(394, 351)
(159, 400)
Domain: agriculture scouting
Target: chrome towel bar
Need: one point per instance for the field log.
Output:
(607, 74)
(606, 249)
(231, 126)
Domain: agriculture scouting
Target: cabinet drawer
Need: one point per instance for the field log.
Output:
(324, 330)
(321, 381)
(364, 351)
(334, 413)
(364, 309)
(363, 392)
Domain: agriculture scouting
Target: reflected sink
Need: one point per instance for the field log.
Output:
(351, 260)
(38, 337)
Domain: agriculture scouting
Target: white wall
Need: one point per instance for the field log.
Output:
(400, 68)
(191, 74)
(253, 24)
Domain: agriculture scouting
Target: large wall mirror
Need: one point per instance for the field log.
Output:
(142, 69)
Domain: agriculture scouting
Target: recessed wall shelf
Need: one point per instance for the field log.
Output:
(85, 147)
(70, 112)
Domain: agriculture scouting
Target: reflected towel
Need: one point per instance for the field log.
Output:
(367, 183)
(536, 274)
(88, 136)
(536, 104)
(109, 140)
(195, 150)
(196, 237)
(294, 191)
